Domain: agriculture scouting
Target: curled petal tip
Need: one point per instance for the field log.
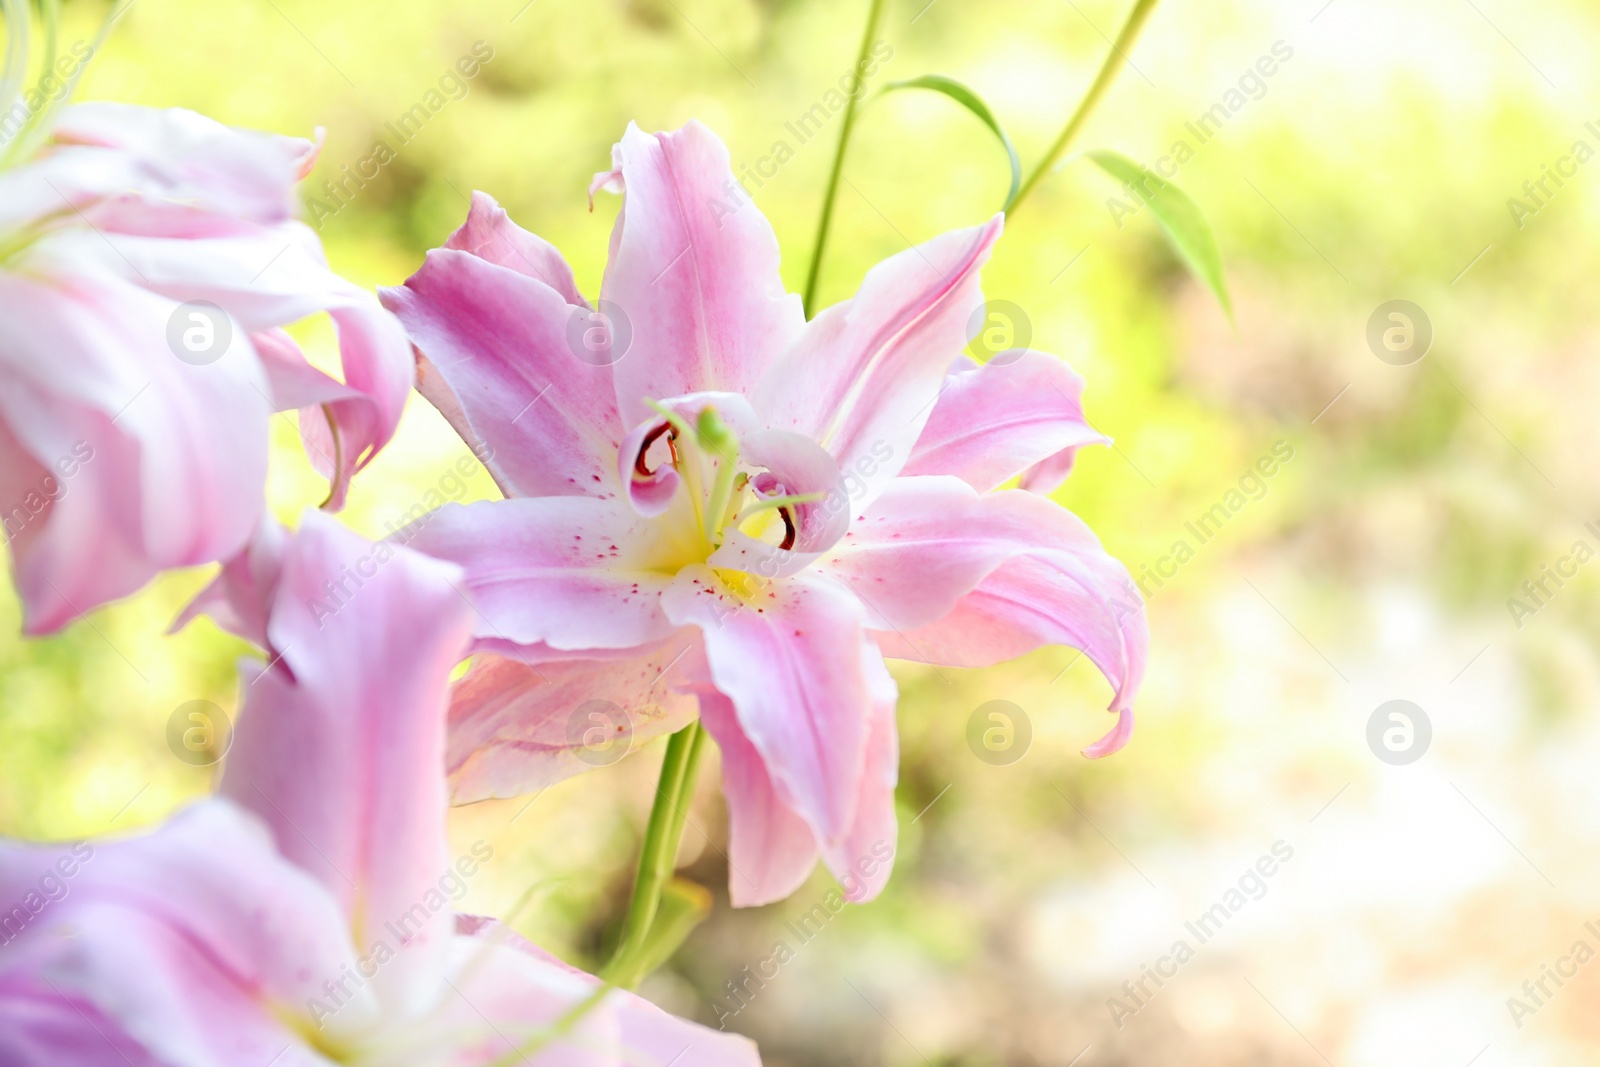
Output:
(610, 180)
(1114, 741)
(308, 161)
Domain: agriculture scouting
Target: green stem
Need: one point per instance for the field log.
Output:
(828, 198)
(680, 809)
(18, 23)
(1102, 81)
(660, 852)
(38, 128)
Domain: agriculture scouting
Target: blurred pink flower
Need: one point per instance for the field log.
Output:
(304, 916)
(147, 261)
(654, 557)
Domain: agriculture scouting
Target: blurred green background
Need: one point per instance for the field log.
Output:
(1376, 163)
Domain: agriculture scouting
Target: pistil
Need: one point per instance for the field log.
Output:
(722, 444)
(715, 513)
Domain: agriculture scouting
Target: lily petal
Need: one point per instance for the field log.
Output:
(265, 277)
(693, 271)
(517, 975)
(94, 396)
(185, 159)
(293, 382)
(650, 488)
(865, 374)
(138, 170)
(506, 1005)
(339, 745)
(517, 727)
(239, 599)
(490, 235)
(864, 858)
(1020, 412)
(186, 940)
(771, 849)
(575, 573)
(500, 364)
(42, 1027)
(343, 435)
(1029, 602)
(787, 653)
(964, 580)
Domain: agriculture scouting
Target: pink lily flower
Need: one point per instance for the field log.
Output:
(304, 916)
(717, 506)
(147, 262)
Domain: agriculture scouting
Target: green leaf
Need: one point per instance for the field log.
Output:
(1179, 217)
(973, 103)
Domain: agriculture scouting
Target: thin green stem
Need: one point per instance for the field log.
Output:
(50, 15)
(37, 130)
(680, 808)
(873, 16)
(18, 23)
(660, 851)
(1097, 89)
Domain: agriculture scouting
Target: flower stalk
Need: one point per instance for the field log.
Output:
(658, 857)
(1097, 89)
(874, 15)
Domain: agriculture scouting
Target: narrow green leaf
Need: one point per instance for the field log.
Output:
(973, 103)
(1179, 217)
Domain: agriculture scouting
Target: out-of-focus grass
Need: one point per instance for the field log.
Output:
(1376, 164)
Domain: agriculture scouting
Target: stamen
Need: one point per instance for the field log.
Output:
(730, 512)
(651, 438)
(684, 429)
(788, 529)
(768, 503)
(688, 463)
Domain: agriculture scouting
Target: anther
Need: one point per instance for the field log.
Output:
(651, 438)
